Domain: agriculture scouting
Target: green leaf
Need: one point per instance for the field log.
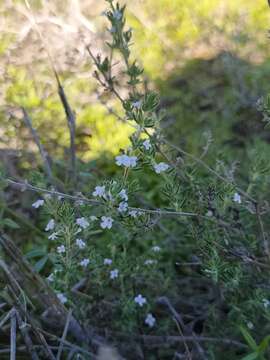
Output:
(251, 356)
(249, 339)
(10, 223)
(151, 101)
(264, 344)
(37, 252)
(41, 263)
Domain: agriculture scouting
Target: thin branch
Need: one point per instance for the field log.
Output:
(212, 171)
(96, 202)
(71, 121)
(27, 339)
(159, 341)
(46, 165)
(264, 236)
(58, 357)
(13, 327)
(5, 319)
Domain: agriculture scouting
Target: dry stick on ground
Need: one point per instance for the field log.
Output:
(179, 321)
(154, 341)
(34, 286)
(13, 329)
(71, 345)
(46, 165)
(26, 337)
(58, 357)
(13, 292)
(23, 348)
(5, 319)
(189, 356)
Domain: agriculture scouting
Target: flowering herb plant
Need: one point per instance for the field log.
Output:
(124, 263)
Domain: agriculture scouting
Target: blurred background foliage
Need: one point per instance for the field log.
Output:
(208, 59)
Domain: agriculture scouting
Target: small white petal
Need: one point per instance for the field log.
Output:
(140, 300)
(161, 167)
(123, 195)
(123, 206)
(127, 161)
(114, 274)
(107, 261)
(106, 222)
(38, 203)
(147, 144)
(82, 222)
(61, 249)
(85, 262)
(80, 243)
(99, 191)
(150, 320)
(62, 298)
(50, 278)
(237, 198)
(50, 225)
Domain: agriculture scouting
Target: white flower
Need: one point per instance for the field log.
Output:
(80, 243)
(133, 213)
(114, 274)
(107, 261)
(156, 248)
(53, 236)
(82, 222)
(147, 144)
(117, 15)
(127, 161)
(250, 325)
(237, 198)
(99, 191)
(84, 262)
(137, 104)
(123, 195)
(150, 262)
(123, 206)
(266, 303)
(140, 300)
(62, 298)
(61, 249)
(150, 320)
(209, 213)
(50, 225)
(161, 167)
(106, 222)
(38, 203)
(50, 278)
